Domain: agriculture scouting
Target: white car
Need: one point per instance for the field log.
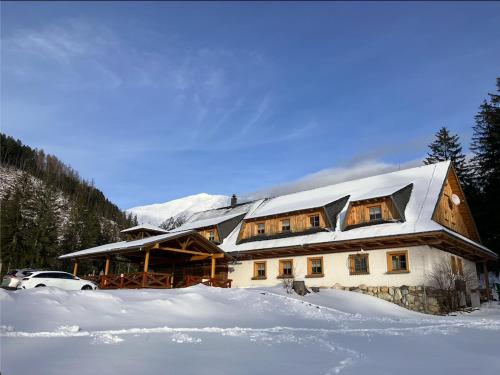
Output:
(58, 279)
(13, 278)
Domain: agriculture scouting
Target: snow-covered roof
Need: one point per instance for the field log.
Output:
(125, 245)
(214, 217)
(207, 222)
(427, 184)
(145, 227)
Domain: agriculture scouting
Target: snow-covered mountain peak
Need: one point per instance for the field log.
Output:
(156, 214)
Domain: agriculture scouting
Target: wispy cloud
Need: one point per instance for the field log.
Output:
(332, 176)
(213, 98)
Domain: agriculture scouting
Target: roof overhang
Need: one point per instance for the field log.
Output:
(440, 239)
(185, 241)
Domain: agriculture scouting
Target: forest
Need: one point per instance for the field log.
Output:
(48, 210)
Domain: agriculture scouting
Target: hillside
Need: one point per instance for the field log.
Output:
(178, 209)
(49, 210)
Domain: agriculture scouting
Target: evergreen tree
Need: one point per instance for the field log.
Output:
(46, 229)
(447, 147)
(486, 162)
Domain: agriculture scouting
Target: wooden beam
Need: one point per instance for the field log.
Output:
(186, 243)
(212, 272)
(75, 268)
(106, 267)
(146, 261)
(199, 257)
(175, 250)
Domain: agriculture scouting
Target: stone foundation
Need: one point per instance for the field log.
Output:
(411, 297)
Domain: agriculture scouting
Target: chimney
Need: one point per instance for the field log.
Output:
(234, 200)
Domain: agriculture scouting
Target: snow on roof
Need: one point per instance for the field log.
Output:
(427, 184)
(124, 245)
(207, 222)
(379, 192)
(144, 227)
(214, 217)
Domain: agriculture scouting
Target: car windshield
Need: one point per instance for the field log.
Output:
(11, 272)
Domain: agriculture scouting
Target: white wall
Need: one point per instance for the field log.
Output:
(336, 269)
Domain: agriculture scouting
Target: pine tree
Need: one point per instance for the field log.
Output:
(486, 162)
(16, 240)
(46, 228)
(447, 147)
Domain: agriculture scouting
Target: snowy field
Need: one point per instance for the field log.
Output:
(202, 330)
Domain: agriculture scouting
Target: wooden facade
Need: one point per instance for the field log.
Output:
(359, 212)
(208, 232)
(299, 222)
(458, 218)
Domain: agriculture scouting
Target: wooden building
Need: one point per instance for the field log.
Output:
(387, 230)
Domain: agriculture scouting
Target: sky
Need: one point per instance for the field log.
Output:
(157, 100)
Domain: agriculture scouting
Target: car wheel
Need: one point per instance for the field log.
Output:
(86, 287)
(39, 285)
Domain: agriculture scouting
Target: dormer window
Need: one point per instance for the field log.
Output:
(375, 213)
(314, 221)
(285, 225)
(261, 228)
(211, 235)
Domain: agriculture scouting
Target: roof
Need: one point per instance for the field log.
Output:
(216, 216)
(131, 245)
(426, 184)
(145, 227)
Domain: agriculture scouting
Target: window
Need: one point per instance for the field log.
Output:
(50, 275)
(314, 221)
(397, 262)
(285, 225)
(375, 213)
(314, 267)
(259, 270)
(261, 228)
(211, 235)
(286, 268)
(358, 264)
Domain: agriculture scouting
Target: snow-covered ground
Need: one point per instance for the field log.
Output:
(203, 330)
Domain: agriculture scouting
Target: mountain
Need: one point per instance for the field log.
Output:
(177, 209)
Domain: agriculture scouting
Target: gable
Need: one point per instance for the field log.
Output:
(458, 218)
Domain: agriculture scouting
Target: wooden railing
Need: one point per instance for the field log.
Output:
(133, 280)
(152, 280)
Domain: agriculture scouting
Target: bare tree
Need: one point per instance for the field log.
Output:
(287, 282)
(451, 284)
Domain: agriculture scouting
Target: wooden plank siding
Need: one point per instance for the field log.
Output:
(359, 211)
(205, 232)
(299, 222)
(457, 218)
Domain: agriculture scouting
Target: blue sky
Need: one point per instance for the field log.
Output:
(155, 101)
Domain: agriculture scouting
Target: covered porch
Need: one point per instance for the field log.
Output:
(171, 260)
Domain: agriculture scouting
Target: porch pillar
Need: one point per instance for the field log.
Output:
(106, 271)
(75, 268)
(212, 273)
(106, 267)
(486, 280)
(146, 267)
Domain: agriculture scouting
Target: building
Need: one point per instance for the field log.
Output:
(384, 232)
